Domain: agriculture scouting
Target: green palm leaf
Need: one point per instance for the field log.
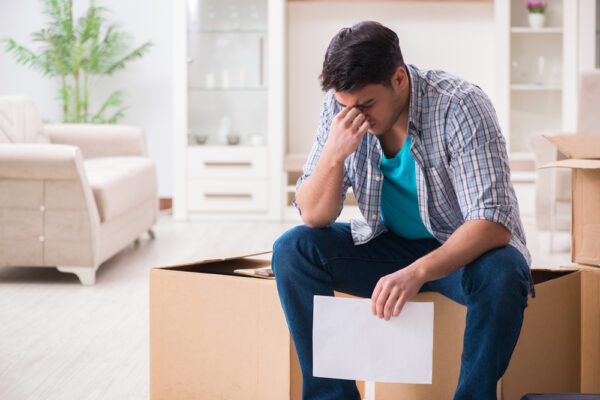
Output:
(78, 53)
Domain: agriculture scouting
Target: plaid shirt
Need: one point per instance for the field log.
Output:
(461, 162)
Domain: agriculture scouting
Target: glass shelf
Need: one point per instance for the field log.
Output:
(229, 31)
(220, 146)
(526, 29)
(533, 87)
(229, 89)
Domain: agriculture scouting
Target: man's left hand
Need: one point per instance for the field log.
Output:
(393, 291)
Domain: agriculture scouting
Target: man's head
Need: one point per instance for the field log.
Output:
(366, 53)
(364, 67)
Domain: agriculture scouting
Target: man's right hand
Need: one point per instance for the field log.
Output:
(346, 131)
(320, 195)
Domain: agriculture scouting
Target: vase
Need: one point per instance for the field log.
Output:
(536, 20)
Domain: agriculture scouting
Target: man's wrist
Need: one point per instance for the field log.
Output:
(420, 271)
(332, 158)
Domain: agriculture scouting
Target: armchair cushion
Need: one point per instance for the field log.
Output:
(95, 140)
(120, 183)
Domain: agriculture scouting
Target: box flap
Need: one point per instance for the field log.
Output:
(263, 272)
(580, 267)
(573, 163)
(577, 146)
(222, 259)
(541, 275)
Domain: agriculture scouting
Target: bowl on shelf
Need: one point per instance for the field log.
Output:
(200, 139)
(233, 139)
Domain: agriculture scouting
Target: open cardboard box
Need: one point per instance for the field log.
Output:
(218, 335)
(215, 334)
(583, 154)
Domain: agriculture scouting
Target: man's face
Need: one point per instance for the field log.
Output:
(381, 105)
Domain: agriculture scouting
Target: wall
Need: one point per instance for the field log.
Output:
(455, 36)
(147, 82)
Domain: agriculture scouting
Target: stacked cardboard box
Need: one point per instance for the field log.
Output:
(583, 154)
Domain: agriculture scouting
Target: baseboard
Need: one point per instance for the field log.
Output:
(165, 203)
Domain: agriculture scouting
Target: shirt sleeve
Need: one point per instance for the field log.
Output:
(479, 162)
(329, 111)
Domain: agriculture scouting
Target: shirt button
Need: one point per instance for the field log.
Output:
(374, 216)
(377, 178)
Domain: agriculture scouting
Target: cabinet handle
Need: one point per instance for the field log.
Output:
(261, 67)
(228, 163)
(228, 195)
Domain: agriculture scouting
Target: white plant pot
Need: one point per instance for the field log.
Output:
(537, 20)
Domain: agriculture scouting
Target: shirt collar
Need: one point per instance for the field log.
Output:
(414, 109)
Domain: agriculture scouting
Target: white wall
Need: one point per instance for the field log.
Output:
(454, 36)
(147, 82)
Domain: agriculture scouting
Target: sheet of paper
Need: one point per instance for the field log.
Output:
(349, 342)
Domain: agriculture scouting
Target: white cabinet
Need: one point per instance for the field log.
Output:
(537, 72)
(228, 179)
(227, 109)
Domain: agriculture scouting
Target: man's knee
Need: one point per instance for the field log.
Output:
(290, 247)
(500, 272)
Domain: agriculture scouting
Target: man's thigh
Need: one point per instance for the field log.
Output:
(355, 269)
(495, 271)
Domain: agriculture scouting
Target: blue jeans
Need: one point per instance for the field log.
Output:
(495, 287)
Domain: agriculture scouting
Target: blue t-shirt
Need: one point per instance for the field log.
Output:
(399, 201)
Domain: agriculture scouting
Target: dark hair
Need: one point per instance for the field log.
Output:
(367, 53)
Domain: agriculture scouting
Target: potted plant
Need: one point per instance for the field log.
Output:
(536, 13)
(79, 53)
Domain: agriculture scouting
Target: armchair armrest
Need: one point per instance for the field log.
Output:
(95, 140)
(40, 161)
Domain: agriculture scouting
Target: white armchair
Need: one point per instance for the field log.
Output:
(553, 186)
(71, 195)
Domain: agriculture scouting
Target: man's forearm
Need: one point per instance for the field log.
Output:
(465, 245)
(319, 196)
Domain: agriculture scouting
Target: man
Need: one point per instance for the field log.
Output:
(427, 162)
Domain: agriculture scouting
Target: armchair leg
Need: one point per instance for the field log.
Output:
(87, 275)
(151, 234)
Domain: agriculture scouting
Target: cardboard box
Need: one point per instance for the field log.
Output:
(583, 154)
(559, 347)
(217, 335)
(558, 350)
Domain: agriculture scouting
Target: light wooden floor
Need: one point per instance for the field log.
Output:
(61, 340)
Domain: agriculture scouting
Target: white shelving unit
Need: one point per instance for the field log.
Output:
(537, 72)
(228, 109)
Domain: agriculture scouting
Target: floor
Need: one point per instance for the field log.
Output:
(61, 340)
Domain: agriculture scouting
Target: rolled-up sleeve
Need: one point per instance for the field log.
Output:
(479, 162)
(328, 112)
